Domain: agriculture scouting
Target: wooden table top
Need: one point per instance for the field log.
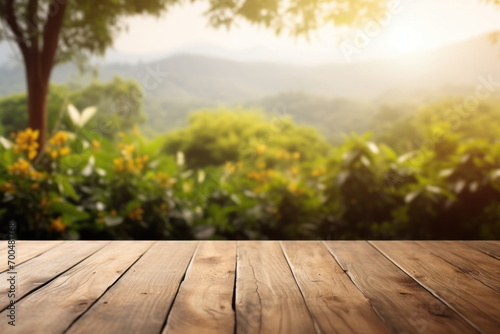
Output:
(251, 287)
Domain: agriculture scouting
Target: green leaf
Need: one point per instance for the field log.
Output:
(65, 187)
(132, 205)
(67, 210)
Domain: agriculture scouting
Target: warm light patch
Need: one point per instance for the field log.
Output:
(404, 40)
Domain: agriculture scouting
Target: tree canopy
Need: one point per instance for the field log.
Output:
(88, 27)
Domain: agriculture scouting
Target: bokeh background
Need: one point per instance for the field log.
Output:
(250, 119)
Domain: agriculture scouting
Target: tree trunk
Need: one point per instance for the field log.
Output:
(38, 61)
(37, 103)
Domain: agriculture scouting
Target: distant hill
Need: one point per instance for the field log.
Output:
(217, 79)
(320, 93)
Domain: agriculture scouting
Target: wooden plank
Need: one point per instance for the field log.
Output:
(55, 306)
(404, 305)
(474, 301)
(336, 304)
(50, 264)
(26, 250)
(267, 298)
(139, 302)
(490, 247)
(204, 302)
(3, 246)
(480, 266)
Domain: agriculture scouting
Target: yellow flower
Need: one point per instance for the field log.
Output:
(296, 155)
(31, 154)
(127, 163)
(95, 144)
(136, 214)
(57, 225)
(118, 165)
(270, 173)
(318, 172)
(56, 147)
(9, 187)
(163, 179)
(127, 150)
(141, 161)
(261, 165)
(281, 154)
(229, 167)
(293, 189)
(130, 165)
(64, 151)
(59, 139)
(294, 170)
(21, 167)
(260, 149)
(26, 141)
(35, 175)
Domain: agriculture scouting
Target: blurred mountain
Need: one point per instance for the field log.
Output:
(189, 81)
(218, 79)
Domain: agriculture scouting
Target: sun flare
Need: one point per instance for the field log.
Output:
(404, 40)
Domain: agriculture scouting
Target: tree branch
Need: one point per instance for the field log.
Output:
(10, 17)
(32, 18)
(51, 31)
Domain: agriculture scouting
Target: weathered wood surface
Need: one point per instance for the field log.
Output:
(26, 250)
(204, 302)
(252, 287)
(489, 247)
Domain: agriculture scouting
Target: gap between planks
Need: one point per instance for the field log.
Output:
(470, 299)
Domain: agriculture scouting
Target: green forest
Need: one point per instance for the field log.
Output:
(249, 173)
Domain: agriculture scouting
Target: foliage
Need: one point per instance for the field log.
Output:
(223, 177)
(117, 111)
(215, 137)
(90, 26)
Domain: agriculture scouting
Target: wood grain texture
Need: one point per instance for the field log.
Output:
(404, 305)
(490, 247)
(254, 287)
(267, 298)
(336, 304)
(26, 250)
(474, 301)
(140, 301)
(55, 306)
(483, 268)
(33, 274)
(204, 302)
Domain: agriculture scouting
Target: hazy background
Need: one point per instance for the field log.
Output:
(429, 50)
(376, 144)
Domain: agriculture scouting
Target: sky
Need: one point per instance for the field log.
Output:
(417, 26)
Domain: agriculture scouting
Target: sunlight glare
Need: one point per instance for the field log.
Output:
(404, 40)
